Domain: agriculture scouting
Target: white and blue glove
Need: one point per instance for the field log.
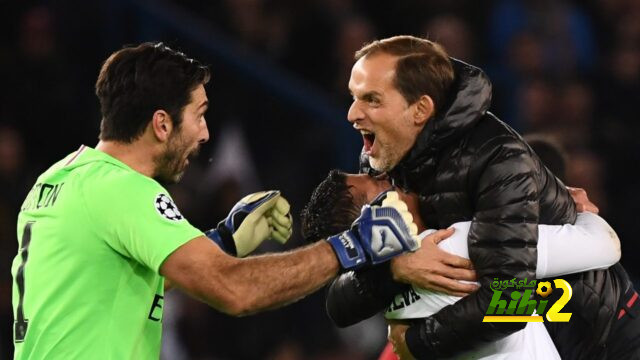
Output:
(255, 218)
(380, 233)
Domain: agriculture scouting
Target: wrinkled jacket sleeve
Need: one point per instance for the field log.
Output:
(502, 243)
(357, 295)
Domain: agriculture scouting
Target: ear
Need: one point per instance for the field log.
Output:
(161, 125)
(424, 109)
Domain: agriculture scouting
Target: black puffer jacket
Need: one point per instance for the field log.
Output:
(469, 166)
(591, 333)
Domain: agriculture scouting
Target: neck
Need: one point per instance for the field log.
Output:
(135, 155)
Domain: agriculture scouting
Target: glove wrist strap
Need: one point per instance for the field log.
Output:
(223, 237)
(350, 253)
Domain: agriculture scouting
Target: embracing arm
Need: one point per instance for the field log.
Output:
(568, 249)
(243, 286)
(357, 295)
(502, 243)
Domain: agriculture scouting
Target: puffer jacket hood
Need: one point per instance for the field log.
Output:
(469, 100)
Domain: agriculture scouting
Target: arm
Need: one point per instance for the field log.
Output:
(239, 241)
(502, 243)
(562, 249)
(588, 244)
(356, 296)
(568, 249)
(243, 286)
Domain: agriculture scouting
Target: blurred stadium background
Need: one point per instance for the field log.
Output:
(567, 69)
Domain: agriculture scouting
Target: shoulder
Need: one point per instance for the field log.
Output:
(120, 191)
(492, 133)
(110, 178)
(500, 157)
(493, 141)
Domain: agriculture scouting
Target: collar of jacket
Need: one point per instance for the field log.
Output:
(469, 99)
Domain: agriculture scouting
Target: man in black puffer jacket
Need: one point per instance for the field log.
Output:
(424, 121)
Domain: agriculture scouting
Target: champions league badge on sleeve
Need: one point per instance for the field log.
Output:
(167, 208)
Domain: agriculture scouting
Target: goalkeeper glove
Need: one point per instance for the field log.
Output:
(379, 234)
(255, 218)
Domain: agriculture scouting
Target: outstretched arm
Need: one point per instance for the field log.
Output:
(243, 286)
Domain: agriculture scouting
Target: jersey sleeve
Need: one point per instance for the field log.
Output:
(138, 218)
(568, 249)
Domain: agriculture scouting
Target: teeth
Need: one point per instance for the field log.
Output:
(366, 132)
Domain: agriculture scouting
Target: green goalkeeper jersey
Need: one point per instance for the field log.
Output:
(92, 236)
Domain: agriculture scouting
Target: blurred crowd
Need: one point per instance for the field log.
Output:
(565, 70)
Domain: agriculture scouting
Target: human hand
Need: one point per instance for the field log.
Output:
(435, 269)
(583, 204)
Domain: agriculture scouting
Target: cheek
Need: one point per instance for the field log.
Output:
(383, 125)
(174, 149)
(389, 136)
(190, 132)
(179, 144)
(383, 187)
(405, 132)
(371, 194)
(190, 123)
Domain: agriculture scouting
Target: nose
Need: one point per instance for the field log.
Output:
(204, 137)
(354, 113)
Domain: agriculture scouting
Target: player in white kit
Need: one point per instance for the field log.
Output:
(562, 249)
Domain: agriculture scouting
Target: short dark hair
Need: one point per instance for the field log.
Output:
(134, 82)
(331, 209)
(423, 67)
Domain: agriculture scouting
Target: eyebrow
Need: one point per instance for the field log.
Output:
(368, 94)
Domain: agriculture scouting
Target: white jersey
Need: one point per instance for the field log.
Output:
(562, 249)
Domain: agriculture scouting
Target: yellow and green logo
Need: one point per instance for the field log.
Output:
(522, 305)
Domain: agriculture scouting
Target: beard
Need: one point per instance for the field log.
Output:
(392, 148)
(387, 158)
(171, 165)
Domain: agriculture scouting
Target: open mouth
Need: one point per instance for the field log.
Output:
(368, 139)
(193, 154)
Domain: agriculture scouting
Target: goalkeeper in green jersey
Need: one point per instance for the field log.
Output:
(100, 239)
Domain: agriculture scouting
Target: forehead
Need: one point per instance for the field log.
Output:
(363, 185)
(198, 95)
(359, 181)
(374, 72)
